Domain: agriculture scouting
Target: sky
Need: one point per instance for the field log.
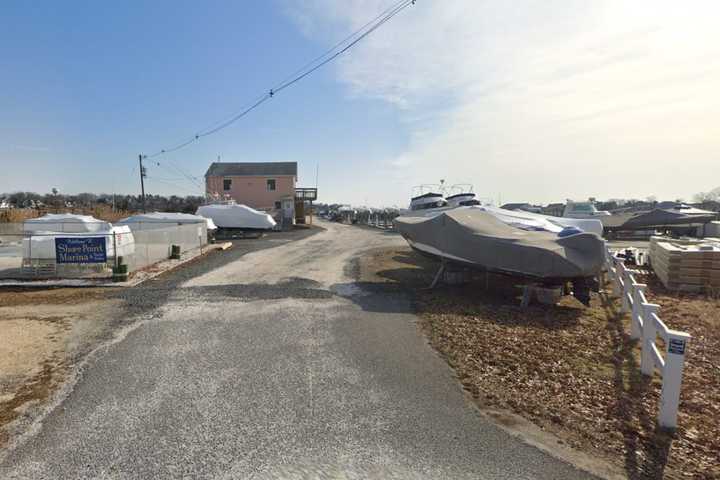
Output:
(530, 100)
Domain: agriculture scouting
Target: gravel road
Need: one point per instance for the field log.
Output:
(267, 361)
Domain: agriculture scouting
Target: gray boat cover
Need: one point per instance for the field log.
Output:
(658, 218)
(476, 238)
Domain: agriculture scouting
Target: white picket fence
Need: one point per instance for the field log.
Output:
(646, 326)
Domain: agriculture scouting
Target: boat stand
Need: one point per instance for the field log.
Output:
(438, 275)
(541, 293)
(451, 274)
(528, 291)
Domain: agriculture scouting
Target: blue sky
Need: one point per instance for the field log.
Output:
(529, 101)
(89, 85)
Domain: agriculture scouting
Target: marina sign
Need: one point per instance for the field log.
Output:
(80, 250)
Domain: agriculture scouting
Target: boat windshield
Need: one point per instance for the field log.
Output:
(583, 207)
(428, 205)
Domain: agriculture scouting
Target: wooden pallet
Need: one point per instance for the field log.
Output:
(683, 265)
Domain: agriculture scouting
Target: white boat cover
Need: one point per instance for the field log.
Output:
(236, 216)
(66, 222)
(41, 244)
(159, 219)
(537, 221)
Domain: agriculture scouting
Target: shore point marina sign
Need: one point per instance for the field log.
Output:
(80, 250)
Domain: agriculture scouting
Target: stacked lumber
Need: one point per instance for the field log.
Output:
(686, 264)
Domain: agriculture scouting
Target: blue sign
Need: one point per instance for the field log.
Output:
(677, 346)
(80, 250)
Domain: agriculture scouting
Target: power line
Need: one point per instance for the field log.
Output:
(155, 179)
(299, 74)
(348, 47)
(237, 117)
(176, 169)
(341, 42)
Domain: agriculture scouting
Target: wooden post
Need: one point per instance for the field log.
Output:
(115, 251)
(649, 334)
(672, 378)
(626, 282)
(637, 310)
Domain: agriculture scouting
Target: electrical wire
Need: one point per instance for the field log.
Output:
(186, 189)
(341, 42)
(346, 48)
(176, 169)
(299, 74)
(220, 124)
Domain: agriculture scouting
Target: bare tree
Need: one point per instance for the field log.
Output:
(711, 196)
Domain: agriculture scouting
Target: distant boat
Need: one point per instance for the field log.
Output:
(679, 215)
(583, 210)
(236, 216)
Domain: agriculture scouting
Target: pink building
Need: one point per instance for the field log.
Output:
(263, 186)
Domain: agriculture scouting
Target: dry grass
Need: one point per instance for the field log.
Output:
(18, 296)
(101, 212)
(17, 215)
(573, 371)
(35, 390)
(42, 331)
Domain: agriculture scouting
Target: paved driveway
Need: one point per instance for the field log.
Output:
(275, 365)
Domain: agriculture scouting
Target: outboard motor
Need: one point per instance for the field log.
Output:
(630, 258)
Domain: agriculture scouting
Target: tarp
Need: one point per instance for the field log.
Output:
(41, 244)
(236, 216)
(537, 221)
(474, 237)
(66, 222)
(161, 219)
(658, 218)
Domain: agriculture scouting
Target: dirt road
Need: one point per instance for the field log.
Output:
(274, 365)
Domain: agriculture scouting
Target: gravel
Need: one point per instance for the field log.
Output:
(272, 363)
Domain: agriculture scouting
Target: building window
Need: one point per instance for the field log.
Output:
(278, 205)
(271, 185)
(227, 183)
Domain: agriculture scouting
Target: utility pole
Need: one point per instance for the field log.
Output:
(142, 181)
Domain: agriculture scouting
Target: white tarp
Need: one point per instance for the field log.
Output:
(236, 216)
(66, 222)
(41, 244)
(163, 219)
(520, 218)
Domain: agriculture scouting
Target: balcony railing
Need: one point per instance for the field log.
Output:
(306, 194)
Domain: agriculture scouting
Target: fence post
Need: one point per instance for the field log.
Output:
(637, 310)
(115, 250)
(626, 282)
(617, 277)
(30, 257)
(649, 334)
(610, 266)
(672, 378)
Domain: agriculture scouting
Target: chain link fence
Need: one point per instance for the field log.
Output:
(65, 252)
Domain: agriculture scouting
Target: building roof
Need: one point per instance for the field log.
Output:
(251, 169)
